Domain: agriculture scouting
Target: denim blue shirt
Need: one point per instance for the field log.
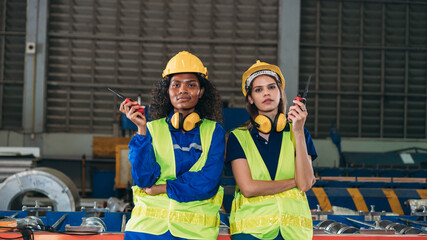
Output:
(188, 186)
(269, 150)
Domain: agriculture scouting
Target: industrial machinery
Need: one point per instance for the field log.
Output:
(68, 215)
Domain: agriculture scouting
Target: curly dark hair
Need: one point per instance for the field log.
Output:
(209, 106)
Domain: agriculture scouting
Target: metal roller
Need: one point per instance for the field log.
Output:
(91, 224)
(348, 230)
(411, 230)
(397, 227)
(32, 222)
(54, 184)
(334, 227)
(384, 223)
(94, 222)
(323, 224)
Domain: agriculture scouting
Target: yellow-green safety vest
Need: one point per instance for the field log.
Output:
(158, 214)
(264, 216)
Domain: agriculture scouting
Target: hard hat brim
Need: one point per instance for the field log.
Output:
(259, 66)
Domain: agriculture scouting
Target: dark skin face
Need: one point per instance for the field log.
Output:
(185, 92)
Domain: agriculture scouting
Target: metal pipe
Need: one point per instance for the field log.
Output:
(413, 222)
(59, 221)
(360, 222)
(123, 228)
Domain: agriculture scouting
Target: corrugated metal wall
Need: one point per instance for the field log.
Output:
(369, 59)
(12, 50)
(126, 44)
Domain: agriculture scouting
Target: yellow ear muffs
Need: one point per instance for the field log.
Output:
(188, 123)
(176, 120)
(263, 123)
(279, 122)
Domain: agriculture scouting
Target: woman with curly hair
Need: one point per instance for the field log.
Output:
(177, 158)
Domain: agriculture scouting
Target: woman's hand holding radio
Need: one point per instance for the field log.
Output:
(297, 115)
(135, 113)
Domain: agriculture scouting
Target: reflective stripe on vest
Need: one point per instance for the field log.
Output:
(176, 216)
(287, 211)
(268, 220)
(290, 194)
(158, 214)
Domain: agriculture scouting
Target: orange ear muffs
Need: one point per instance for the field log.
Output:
(187, 123)
(265, 125)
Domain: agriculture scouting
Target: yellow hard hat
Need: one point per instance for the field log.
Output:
(185, 62)
(261, 68)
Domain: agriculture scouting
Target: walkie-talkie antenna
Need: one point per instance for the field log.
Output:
(304, 95)
(118, 94)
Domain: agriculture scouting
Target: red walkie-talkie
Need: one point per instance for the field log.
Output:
(141, 110)
(302, 98)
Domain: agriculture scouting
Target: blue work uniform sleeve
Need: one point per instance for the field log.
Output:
(201, 185)
(145, 169)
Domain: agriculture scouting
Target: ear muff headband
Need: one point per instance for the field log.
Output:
(187, 123)
(265, 125)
